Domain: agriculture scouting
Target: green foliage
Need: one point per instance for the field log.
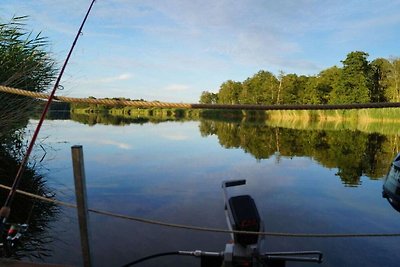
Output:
(24, 59)
(380, 69)
(229, 92)
(354, 85)
(393, 80)
(291, 89)
(359, 81)
(208, 98)
(39, 214)
(25, 64)
(327, 82)
(259, 89)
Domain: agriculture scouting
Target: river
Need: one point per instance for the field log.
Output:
(303, 180)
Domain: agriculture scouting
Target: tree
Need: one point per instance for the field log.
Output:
(260, 89)
(328, 81)
(290, 89)
(208, 98)
(311, 94)
(354, 85)
(359, 81)
(380, 71)
(319, 88)
(280, 77)
(229, 92)
(303, 82)
(393, 79)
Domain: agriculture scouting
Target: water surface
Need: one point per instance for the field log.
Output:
(303, 181)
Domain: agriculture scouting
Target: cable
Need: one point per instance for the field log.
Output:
(154, 256)
(207, 229)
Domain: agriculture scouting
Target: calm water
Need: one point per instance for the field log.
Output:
(303, 181)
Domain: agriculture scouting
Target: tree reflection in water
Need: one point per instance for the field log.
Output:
(353, 152)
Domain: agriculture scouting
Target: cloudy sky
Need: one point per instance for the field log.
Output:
(172, 50)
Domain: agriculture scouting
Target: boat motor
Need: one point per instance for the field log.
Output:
(243, 250)
(242, 215)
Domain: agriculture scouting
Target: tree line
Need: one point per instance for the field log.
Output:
(357, 81)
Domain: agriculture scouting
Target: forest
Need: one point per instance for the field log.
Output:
(357, 81)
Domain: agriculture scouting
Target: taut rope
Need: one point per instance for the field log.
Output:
(146, 104)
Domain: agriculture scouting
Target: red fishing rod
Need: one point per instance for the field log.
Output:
(5, 210)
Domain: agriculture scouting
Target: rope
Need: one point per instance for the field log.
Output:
(108, 102)
(146, 104)
(204, 229)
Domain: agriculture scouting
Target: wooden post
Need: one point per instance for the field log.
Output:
(81, 201)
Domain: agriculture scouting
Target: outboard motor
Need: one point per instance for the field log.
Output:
(244, 249)
(241, 215)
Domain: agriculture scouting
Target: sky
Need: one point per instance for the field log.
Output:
(172, 50)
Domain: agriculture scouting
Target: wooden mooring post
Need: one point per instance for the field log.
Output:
(81, 201)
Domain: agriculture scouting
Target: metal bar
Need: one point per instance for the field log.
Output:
(81, 201)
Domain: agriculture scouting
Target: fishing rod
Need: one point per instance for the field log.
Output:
(5, 210)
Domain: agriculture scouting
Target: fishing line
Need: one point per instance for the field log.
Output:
(5, 210)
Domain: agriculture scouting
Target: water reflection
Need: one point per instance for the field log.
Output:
(38, 215)
(15, 113)
(353, 152)
(173, 172)
(120, 120)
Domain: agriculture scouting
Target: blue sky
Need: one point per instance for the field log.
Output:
(173, 50)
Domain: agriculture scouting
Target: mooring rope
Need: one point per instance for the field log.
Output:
(203, 229)
(108, 102)
(149, 104)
